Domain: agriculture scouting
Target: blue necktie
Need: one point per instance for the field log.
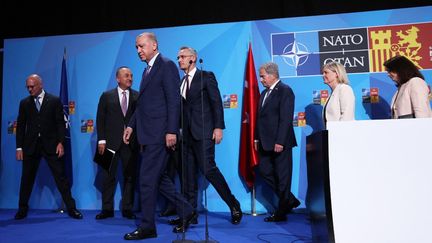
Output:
(38, 104)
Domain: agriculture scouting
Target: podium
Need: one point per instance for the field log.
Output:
(370, 181)
(380, 180)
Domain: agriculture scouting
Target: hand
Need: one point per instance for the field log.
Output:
(126, 135)
(101, 148)
(278, 148)
(171, 140)
(19, 155)
(59, 150)
(256, 145)
(217, 135)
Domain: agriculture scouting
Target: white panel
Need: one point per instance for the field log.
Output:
(381, 180)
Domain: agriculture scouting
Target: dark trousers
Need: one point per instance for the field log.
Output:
(200, 154)
(276, 170)
(128, 159)
(153, 178)
(173, 170)
(28, 175)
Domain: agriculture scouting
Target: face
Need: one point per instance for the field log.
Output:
(266, 79)
(146, 48)
(394, 76)
(329, 76)
(124, 78)
(34, 85)
(184, 58)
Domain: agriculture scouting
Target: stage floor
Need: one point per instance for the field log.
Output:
(49, 226)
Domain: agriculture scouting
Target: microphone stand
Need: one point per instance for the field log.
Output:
(207, 237)
(185, 86)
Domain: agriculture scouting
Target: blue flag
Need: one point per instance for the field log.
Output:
(65, 101)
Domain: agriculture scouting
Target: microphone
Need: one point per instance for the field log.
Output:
(200, 60)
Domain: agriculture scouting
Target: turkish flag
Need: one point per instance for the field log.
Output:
(248, 155)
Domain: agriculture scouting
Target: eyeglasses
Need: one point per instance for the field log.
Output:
(183, 56)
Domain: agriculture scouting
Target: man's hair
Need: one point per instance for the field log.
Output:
(118, 70)
(271, 68)
(149, 35)
(190, 49)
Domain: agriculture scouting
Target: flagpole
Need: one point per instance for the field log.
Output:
(65, 99)
(253, 211)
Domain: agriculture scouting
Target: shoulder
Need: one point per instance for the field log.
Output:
(284, 87)
(26, 100)
(205, 74)
(134, 92)
(416, 81)
(163, 59)
(52, 97)
(107, 93)
(344, 89)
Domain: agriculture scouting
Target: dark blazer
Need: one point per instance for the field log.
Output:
(209, 106)
(110, 121)
(49, 122)
(158, 106)
(275, 118)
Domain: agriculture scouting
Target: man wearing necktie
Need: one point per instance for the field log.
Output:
(156, 124)
(115, 109)
(202, 126)
(275, 139)
(41, 133)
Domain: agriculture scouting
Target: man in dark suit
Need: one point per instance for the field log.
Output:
(41, 133)
(114, 112)
(275, 139)
(202, 125)
(156, 123)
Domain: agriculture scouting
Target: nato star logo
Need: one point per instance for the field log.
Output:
(295, 54)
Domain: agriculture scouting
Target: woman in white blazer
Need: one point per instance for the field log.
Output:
(340, 106)
(411, 98)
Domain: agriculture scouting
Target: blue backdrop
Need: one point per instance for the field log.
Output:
(299, 45)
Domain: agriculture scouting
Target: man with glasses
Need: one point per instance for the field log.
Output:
(41, 133)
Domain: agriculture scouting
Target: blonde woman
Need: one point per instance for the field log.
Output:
(340, 106)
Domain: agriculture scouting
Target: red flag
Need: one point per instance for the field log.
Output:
(248, 155)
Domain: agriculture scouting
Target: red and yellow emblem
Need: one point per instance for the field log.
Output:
(412, 41)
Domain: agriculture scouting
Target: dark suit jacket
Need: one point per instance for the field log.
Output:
(110, 121)
(49, 122)
(158, 106)
(209, 106)
(275, 118)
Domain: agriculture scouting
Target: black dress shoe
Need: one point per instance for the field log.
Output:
(21, 214)
(236, 213)
(105, 214)
(140, 234)
(168, 212)
(74, 213)
(275, 218)
(128, 214)
(177, 220)
(183, 225)
(293, 204)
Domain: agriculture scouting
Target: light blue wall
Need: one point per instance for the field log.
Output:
(93, 58)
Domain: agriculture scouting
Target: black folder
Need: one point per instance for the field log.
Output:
(104, 160)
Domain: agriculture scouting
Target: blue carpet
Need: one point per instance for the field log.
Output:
(49, 226)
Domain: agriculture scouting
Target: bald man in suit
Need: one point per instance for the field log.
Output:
(41, 133)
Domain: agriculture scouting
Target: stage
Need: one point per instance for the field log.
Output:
(49, 226)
